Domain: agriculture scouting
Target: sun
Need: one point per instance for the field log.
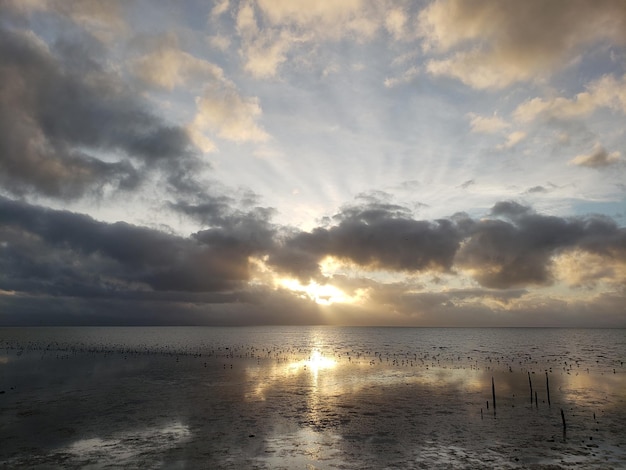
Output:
(322, 294)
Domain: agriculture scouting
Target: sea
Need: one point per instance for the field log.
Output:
(318, 397)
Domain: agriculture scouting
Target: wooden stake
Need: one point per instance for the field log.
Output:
(548, 388)
(530, 382)
(564, 425)
(493, 392)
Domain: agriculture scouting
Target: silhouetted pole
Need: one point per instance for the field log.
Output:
(548, 387)
(530, 382)
(493, 392)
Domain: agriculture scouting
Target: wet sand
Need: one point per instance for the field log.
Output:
(247, 407)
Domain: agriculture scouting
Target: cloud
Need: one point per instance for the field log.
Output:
(103, 20)
(598, 158)
(71, 262)
(606, 92)
(219, 42)
(512, 248)
(167, 66)
(263, 50)
(56, 249)
(467, 184)
(489, 44)
(579, 268)
(407, 77)
(271, 30)
(67, 268)
(512, 140)
(252, 306)
(537, 190)
(222, 110)
(220, 8)
(59, 108)
(374, 236)
(396, 22)
(487, 124)
(326, 17)
(516, 248)
(220, 107)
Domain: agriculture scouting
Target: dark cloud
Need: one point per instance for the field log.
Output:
(261, 306)
(240, 232)
(60, 111)
(56, 249)
(517, 248)
(537, 190)
(514, 247)
(467, 184)
(510, 209)
(376, 236)
(80, 267)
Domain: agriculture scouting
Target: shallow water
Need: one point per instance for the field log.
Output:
(311, 397)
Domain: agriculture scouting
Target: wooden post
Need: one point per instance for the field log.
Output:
(564, 425)
(530, 383)
(548, 388)
(493, 392)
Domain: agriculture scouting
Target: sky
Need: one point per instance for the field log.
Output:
(355, 162)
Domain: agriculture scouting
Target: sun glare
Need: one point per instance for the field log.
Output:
(318, 362)
(323, 294)
(314, 363)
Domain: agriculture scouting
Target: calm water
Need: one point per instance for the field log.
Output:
(322, 397)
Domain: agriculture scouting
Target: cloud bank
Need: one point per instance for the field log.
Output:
(71, 258)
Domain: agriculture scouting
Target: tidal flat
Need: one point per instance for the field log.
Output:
(312, 397)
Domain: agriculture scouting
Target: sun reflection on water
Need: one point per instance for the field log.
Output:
(314, 363)
(311, 365)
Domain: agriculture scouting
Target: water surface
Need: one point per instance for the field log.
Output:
(326, 397)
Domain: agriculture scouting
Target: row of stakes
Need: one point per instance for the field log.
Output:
(530, 383)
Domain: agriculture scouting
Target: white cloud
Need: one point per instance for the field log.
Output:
(395, 22)
(220, 8)
(327, 17)
(480, 70)
(169, 67)
(406, 77)
(246, 20)
(487, 124)
(222, 110)
(265, 54)
(263, 51)
(597, 158)
(404, 58)
(219, 42)
(512, 140)
(270, 29)
(606, 92)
